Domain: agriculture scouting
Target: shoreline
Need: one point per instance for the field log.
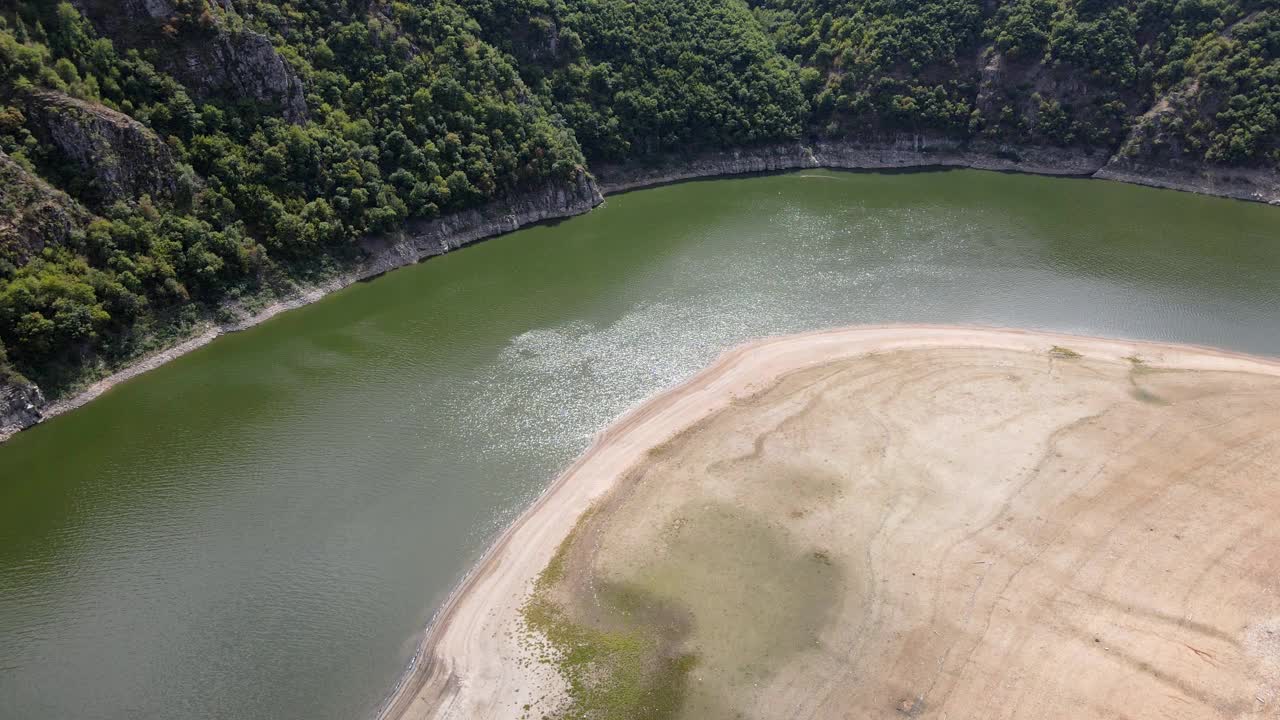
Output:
(922, 152)
(419, 241)
(910, 153)
(25, 407)
(460, 664)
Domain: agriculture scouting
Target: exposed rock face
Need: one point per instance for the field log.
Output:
(1152, 155)
(121, 158)
(33, 213)
(20, 405)
(1257, 184)
(899, 152)
(244, 64)
(129, 23)
(213, 60)
(439, 236)
(1148, 138)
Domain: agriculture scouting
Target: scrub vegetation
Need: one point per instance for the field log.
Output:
(161, 160)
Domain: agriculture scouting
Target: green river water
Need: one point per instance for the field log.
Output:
(261, 529)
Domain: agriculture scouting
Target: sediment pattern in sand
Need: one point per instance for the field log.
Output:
(882, 522)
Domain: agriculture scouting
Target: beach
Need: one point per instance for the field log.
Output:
(475, 658)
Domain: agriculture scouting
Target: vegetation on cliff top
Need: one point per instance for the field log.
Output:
(1057, 72)
(410, 116)
(638, 78)
(162, 159)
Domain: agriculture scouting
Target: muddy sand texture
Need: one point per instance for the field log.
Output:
(890, 522)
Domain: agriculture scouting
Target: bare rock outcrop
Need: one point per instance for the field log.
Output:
(20, 404)
(33, 213)
(120, 158)
(1256, 184)
(429, 238)
(210, 53)
(1241, 183)
(904, 151)
(1152, 154)
(246, 64)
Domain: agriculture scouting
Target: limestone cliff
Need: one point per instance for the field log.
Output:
(1154, 154)
(479, 110)
(439, 236)
(209, 52)
(115, 156)
(1241, 183)
(23, 405)
(1255, 184)
(897, 152)
(33, 214)
(20, 404)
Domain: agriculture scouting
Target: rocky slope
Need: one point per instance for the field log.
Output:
(436, 237)
(163, 161)
(1258, 185)
(23, 405)
(1254, 184)
(33, 213)
(203, 48)
(900, 152)
(108, 154)
(20, 406)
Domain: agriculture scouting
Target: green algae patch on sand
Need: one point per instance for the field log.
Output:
(754, 596)
(722, 598)
(611, 673)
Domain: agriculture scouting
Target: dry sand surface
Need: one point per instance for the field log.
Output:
(895, 521)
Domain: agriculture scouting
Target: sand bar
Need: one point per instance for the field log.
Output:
(469, 664)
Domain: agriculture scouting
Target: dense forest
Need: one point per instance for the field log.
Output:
(162, 160)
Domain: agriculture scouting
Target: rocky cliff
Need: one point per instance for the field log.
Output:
(23, 405)
(206, 49)
(1259, 185)
(243, 64)
(898, 152)
(1254, 184)
(33, 214)
(475, 113)
(430, 238)
(1156, 155)
(20, 404)
(113, 155)
(439, 236)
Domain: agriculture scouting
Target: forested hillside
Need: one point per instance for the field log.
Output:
(1044, 71)
(638, 78)
(160, 159)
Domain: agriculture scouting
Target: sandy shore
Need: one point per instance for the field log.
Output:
(468, 666)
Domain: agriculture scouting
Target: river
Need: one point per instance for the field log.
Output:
(261, 529)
